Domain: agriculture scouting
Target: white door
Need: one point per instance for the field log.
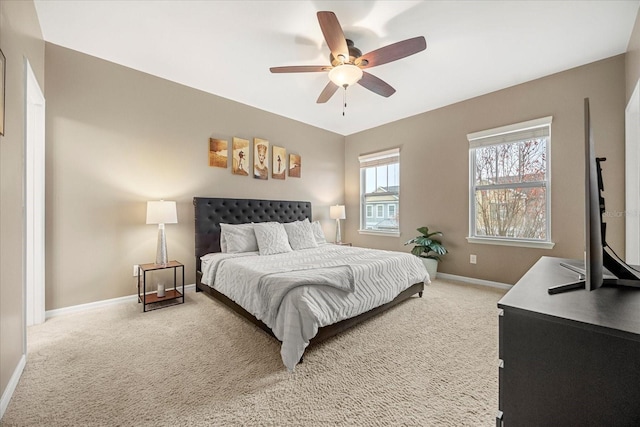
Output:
(632, 178)
(34, 199)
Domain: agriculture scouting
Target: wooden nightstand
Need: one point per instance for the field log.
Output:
(343, 244)
(171, 294)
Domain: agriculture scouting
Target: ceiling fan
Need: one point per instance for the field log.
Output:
(348, 62)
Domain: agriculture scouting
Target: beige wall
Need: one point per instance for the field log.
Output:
(434, 175)
(20, 38)
(118, 137)
(633, 59)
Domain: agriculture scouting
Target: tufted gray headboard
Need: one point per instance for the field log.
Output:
(210, 212)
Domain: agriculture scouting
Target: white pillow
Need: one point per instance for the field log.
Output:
(300, 235)
(223, 241)
(272, 238)
(318, 234)
(238, 238)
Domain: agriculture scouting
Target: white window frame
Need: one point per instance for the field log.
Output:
(385, 157)
(379, 210)
(507, 135)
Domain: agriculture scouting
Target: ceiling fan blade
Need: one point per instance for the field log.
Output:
(333, 34)
(376, 85)
(300, 69)
(392, 52)
(327, 92)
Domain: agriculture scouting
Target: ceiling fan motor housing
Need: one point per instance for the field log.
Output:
(354, 54)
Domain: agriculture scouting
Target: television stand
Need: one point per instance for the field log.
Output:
(580, 284)
(629, 278)
(565, 287)
(568, 359)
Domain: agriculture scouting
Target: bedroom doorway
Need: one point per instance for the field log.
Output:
(34, 200)
(632, 178)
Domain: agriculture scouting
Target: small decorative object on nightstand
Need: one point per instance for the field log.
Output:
(163, 294)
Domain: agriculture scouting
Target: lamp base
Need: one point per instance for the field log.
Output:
(161, 252)
(338, 234)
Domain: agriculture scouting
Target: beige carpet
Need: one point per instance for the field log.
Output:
(430, 361)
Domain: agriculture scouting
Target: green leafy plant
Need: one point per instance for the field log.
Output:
(426, 245)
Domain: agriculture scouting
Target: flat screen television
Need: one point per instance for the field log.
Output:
(600, 267)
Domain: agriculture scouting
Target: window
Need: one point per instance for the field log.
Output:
(380, 187)
(391, 211)
(510, 185)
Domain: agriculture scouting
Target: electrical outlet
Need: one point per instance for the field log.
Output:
(135, 270)
(472, 259)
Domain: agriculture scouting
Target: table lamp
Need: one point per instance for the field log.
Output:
(161, 213)
(337, 212)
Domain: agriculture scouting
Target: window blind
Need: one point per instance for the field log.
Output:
(380, 158)
(532, 129)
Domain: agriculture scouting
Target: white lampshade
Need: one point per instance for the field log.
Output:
(346, 74)
(337, 212)
(161, 212)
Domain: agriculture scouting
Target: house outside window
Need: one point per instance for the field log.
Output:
(509, 190)
(380, 187)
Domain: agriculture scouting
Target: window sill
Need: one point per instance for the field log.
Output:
(380, 233)
(511, 242)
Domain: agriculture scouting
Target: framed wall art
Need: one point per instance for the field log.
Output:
(260, 158)
(295, 166)
(218, 152)
(240, 156)
(279, 160)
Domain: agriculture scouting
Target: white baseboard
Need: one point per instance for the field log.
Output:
(11, 386)
(474, 281)
(104, 303)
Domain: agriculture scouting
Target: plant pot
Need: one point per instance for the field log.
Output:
(432, 267)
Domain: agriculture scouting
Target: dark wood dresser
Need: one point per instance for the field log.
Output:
(571, 359)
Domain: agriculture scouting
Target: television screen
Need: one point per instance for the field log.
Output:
(599, 268)
(593, 214)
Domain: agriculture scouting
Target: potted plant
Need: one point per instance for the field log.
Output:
(428, 248)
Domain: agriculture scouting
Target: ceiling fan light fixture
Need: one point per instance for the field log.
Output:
(345, 75)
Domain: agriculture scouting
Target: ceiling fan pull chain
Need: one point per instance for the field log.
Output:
(344, 100)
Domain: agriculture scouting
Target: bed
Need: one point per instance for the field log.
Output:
(210, 213)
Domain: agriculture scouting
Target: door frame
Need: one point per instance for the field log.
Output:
(34, 200)
(632, 178)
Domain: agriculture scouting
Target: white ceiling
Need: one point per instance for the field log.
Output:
(226, 47)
